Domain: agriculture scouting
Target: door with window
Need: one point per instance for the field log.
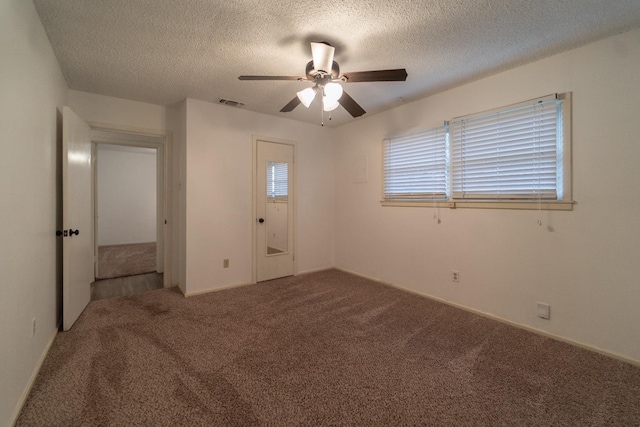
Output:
(274, 210)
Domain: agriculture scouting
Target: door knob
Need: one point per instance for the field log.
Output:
(261, 220)
(72, 232)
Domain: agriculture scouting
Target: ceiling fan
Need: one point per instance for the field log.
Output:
(324, 72)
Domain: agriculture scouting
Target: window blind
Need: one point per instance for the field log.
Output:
(277, 181)
(415, 166)
(514, 153)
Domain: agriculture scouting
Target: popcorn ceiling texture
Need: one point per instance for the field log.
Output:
(162, 51)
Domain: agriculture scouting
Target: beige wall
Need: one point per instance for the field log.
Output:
(587, 268)
(218, 193)
(33, 91)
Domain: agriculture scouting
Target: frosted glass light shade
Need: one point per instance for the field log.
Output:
(306, 96)
(329, 104)
(322, 56)
(333, 91)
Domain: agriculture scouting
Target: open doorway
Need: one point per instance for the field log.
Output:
(128, 214)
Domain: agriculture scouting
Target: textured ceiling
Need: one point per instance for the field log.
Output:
(162, 51)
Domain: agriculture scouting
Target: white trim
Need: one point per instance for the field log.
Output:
(315, 270)
(567, 146)
(162, 141)
(208, 291)
(240, 285)
(548, 205)
(32, 378)
(127, 129)
(502, 320)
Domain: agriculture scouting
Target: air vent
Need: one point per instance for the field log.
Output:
(230, 103)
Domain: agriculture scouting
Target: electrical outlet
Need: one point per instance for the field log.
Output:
(225, 263)
(455, 276)
(543, 310)
(33, 327)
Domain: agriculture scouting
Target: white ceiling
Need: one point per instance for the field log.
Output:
(162, 51)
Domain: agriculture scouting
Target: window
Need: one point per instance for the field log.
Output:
(277, 181)
(512, 157)
(416, 166)
(511, 153)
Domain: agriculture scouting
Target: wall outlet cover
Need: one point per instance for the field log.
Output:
(544, 310)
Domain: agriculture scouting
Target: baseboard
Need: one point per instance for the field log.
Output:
(315, 270)
(32, 379)
(503, 320)
(208, 291)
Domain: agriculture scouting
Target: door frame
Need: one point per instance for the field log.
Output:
(254, 206)
(162, 142)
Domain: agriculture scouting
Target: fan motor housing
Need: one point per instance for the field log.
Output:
(313, 74)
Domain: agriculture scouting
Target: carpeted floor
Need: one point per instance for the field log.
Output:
(126, 286)
(126, 260)
(326, 348)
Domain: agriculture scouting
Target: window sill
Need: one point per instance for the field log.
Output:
(484, 204)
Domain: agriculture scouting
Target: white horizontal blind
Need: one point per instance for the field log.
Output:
(277, 181)
(415, 166)
(514, 153)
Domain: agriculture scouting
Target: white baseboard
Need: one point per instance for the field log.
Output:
(315, 270)
(502, 320)
(207, 291)
(32, 379)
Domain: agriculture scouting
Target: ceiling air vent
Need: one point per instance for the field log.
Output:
(230, 103)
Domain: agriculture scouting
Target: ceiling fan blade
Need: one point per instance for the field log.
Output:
(291, 105)
(350, 105)
(271, 78)
(398, 75)
(322, 53)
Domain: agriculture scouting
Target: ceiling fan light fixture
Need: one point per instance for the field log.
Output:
(333, 91)
(322, 57)
(329, 104)
(307, 95)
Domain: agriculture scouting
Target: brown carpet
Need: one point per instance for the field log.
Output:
(126, 260)
(326, 348)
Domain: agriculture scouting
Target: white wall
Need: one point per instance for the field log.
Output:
(33, 91)
(587, 268)
(118, 111)
(218, 193)
(127, 199)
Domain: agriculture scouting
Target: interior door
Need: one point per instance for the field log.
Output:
(274, 202)
(77, 247)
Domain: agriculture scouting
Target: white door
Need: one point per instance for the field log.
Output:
(77, 247)
(274, 208)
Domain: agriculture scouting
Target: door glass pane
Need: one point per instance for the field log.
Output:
(277, 219)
